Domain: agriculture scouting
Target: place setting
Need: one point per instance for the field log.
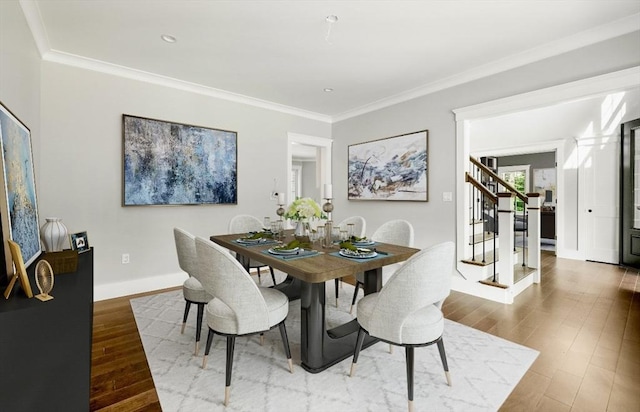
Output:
(293, 250)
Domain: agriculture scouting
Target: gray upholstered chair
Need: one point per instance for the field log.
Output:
(359, 230)
(397, 232)
(246, 224)
(239, 306)
(407, 311)
(192, 289)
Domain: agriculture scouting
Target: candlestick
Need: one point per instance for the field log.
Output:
(328, 191)
(280, 198)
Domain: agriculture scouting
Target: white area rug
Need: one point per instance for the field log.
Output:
(484, 369)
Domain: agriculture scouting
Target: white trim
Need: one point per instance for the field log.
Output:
(594, 35)
(324, 144)
(597, 34)
(580, 89)
(594, 86)
(131, 287)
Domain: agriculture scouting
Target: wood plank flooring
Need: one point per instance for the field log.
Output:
(584, 318)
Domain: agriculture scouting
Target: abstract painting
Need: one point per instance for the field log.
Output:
(394, 168)
(19, 208)
(177, 164)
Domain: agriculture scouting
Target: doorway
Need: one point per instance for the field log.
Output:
(309, 166)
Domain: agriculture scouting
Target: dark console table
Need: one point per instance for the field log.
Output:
(45, 347)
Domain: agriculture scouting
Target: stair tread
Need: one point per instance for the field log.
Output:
(481, 237)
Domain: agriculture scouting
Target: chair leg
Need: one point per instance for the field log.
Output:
(207, 348)
(273, 276)
(259, 278)
(285, 343)
(409, 355)
(356, 352)
(337, 282)
(231, 343)
(355, 296)
(186, 314)
(199, 326)
(443, 357)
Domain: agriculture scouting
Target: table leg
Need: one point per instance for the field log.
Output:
(322, 348)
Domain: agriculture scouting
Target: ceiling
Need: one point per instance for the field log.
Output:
(283, 54)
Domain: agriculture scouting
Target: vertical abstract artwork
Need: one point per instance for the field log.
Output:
(394, 168)
(177, 164)
(19, 205)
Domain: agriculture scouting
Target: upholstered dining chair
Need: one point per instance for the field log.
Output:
(246, 224)
(396, 232)
(407, 311)
(359, 230)
(192, 289)
(239, 306)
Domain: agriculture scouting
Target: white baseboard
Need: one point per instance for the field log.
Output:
(131, 287)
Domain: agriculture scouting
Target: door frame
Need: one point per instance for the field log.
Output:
(324, 157)
(591, 87)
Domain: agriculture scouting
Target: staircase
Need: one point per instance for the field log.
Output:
(490, 264)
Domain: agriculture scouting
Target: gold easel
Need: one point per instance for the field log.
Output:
(20, 272)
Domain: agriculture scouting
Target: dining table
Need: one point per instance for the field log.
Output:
(307, 273)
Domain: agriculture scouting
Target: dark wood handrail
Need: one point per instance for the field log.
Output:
(497, 178)
(489, 195)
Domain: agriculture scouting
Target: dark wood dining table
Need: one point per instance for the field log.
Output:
(306, 277)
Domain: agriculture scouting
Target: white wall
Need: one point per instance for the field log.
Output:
(81, 164)
(435, 220)
(19, 78)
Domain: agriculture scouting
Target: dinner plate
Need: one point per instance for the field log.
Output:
(359, 254)
(363, 243)
(274, 251)
(250, 241)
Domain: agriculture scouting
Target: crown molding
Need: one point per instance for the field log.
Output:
(598, 34)
(152, 78)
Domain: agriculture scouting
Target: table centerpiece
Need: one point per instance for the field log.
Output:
(301, 211)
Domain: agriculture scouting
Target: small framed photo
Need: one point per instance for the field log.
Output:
(79, 242)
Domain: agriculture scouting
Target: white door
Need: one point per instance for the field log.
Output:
(598, 204)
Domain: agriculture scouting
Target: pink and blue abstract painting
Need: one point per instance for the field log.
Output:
(169, 163)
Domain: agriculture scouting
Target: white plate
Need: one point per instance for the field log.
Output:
(357, 255)
(363, 243)
(250, 241)
(283, 251)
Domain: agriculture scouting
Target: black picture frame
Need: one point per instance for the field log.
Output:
(79, 241)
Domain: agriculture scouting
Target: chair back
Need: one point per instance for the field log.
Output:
(396, 232)
(424, 279)
(225, 279)
(244, 224)
(186, 249)
(359, 225)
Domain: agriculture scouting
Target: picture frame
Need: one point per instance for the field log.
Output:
(168, 163)
(79, 241)
(394, 168)
(18, 205)
(20, 274)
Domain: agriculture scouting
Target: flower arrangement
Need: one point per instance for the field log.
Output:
(304, 209)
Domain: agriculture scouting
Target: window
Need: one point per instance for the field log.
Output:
(518, 177)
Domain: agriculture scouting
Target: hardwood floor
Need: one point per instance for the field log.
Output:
(584, 318)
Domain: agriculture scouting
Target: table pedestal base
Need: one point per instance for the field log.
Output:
(322, 348)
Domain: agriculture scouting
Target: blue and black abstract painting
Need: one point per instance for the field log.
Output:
(176, 164)
(394, 168)
(19, 186)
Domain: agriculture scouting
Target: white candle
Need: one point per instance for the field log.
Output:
(281, 198)
(328, 191)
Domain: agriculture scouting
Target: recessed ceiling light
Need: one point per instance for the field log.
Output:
(328, 89)
(168, 38)
(332, 18)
